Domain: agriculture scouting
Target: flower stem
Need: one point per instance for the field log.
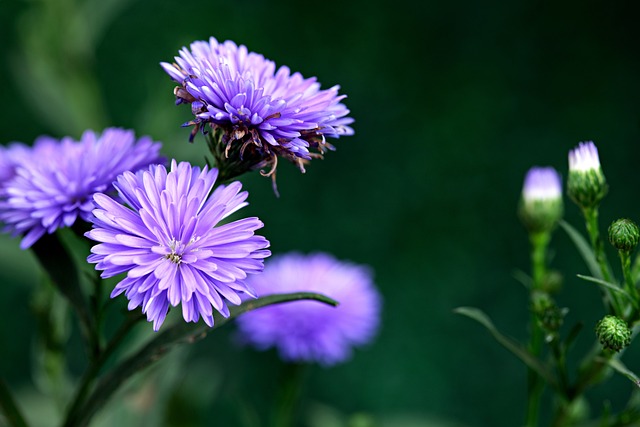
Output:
(539, 245)
(96, 365)
(163, 342)
(591, 219)
(290, 390)
(625, 261)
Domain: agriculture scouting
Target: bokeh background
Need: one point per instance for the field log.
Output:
(453, 101)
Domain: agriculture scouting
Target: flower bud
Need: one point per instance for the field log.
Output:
(586, 183)
(613, 333)
(548, 313)
(541, 205)
(624, 235)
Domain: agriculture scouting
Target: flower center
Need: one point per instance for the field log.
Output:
(178, 249)
(174, 257)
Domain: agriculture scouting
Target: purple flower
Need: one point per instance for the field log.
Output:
(309, 331)
(169, 242)
(542, 183)
(262, 112)
(51, 184)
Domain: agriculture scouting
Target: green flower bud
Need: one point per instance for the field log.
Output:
(586, 183)
(549, 315)
(541, 205)
(624, 235)
(613, 333)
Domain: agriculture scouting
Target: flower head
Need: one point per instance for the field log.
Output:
(261, 112)
(541, 206)
(51, 184)
(171, 245)
(586, 183)
(309, 331)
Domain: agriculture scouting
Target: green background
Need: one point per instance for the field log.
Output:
(453, 102)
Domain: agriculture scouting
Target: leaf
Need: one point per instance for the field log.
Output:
(584, 248)
(609, 286)
(514, 347)
(164, 341)
(620, 367)
(523, 278)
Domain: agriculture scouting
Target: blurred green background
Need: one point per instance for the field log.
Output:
(453, 101)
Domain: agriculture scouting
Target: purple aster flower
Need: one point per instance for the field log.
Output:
(309, 331)
(52, 183)
(171, 245)
(261, 112)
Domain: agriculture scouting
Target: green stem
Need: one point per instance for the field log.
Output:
(9, 407)
(535, 385)
(625, 260)
(290, 390)
(96, 365)
(159, 346)
(591, 219)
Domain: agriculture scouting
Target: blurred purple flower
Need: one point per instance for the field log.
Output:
(309, 331)
(51, 184)
(542, 183)
(262, 112)
(168, 242)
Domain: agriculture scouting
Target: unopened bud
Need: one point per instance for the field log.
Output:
(586, 183)
(624, 235)
(613, 333)
(541, 204)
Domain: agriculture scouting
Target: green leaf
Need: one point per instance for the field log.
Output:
(620, 367)
(609, 286)
(523, 278)
(514, 347)
(163, 342)
(584, 248)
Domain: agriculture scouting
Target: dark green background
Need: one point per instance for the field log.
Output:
(453, 102)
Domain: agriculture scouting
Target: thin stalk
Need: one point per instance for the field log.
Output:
(96, 365)
(288, 396)
(591, 220)
(625, 261)
(163, 342)
(535, 385)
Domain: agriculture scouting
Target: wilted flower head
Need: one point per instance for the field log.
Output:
(51, 184)
(260, 112)
(586, 183)
(309, 331)
(541, 205)
(169, 242)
